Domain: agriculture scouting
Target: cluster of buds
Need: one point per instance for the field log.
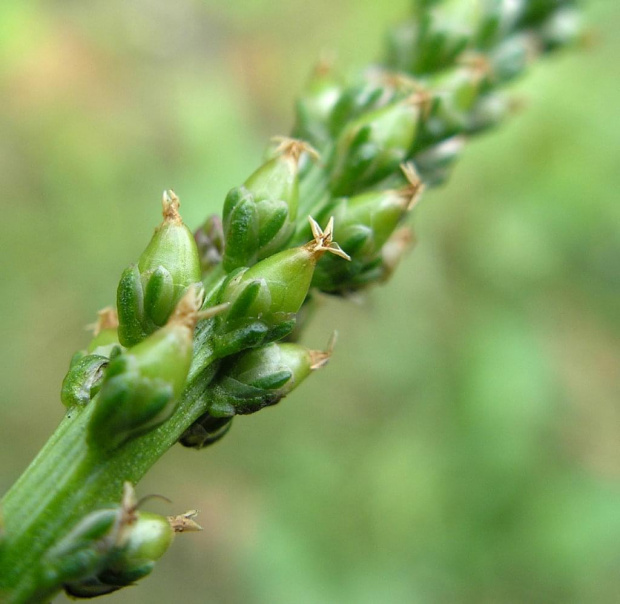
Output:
(112, 547)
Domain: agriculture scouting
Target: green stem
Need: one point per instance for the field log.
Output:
(68, 479)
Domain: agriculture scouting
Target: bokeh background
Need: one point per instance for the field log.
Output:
(464, 443)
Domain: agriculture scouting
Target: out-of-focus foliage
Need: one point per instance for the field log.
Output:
(464, 443)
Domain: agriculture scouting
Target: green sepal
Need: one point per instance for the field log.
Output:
(249, 335)
(433, 41)
(149, 291)
(206, 431)
(129, 405)
(149, 537)
(259, 378)
(563, 28)
(240, 222)
(159, 295)
(88, 588)
(498, 20)
(130, 304)
(373, 146)
(246, 296)
(259, 217)
(83, 380)
(142, 385)
(84, 550)
(314, 108)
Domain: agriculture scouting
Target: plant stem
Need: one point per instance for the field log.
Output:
(68, 479)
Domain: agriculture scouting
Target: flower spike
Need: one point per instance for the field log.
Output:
(292, 147)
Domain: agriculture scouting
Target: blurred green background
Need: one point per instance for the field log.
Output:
(464, 443)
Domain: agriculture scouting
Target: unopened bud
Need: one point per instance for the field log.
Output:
(274, 289)
(149, 291)
(372, 147)
(259, 217)
(262, 377)
(142, 385)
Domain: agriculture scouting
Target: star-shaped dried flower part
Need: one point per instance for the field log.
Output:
(294, 148)
(185, 523)
(323, 240)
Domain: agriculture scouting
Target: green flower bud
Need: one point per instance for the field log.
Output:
(456, 95)
(536, 11)
(371, 147)
(563, 28)
(210, 242)
(149, 291)
(435, 163)
(262, 377)
(435, 38)
(259, 217)
(277, 286)
(149, 536)
(85, 549)
(142, 385)
(490, 111)
(499, 19)
(314, 108)
(365, 222)
(511, 58)
(377, 90)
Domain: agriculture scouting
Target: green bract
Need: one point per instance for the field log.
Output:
(149, 291)
(261, 378)
(315, 107)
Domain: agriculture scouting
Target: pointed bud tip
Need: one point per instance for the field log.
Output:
(294, 148)
(413, 191)
(320, 358)
(170, 204)
(323, 240)
(185, 523)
